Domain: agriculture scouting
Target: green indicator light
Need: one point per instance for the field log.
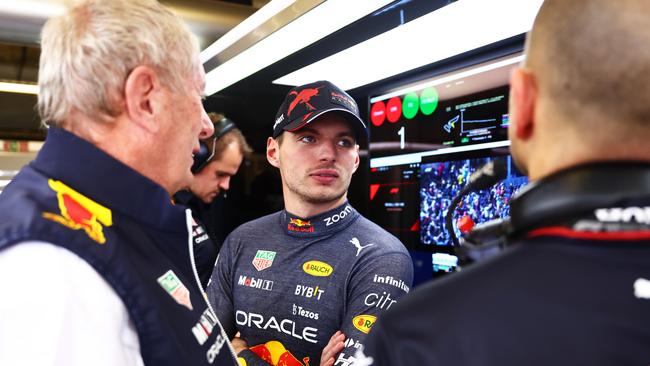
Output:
(428, 101)
(464, 140)
(410, 105)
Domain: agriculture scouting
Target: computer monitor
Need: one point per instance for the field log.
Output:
(441, 179)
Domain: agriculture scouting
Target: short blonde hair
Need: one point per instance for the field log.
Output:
(88, 53)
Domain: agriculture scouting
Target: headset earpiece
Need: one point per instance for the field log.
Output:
(201, 158)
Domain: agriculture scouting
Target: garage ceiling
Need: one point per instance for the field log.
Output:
(252, 102)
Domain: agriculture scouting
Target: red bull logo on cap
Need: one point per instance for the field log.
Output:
(79, 212)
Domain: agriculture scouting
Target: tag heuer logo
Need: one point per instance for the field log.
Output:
(175, 288)
(263, 259)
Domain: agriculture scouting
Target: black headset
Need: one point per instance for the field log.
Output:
(205, 155)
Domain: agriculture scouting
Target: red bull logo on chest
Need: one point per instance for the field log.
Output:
(79, 212)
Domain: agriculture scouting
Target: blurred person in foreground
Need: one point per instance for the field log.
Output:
(574, 286)
(316, 273)
(217, 161)
(94, 256)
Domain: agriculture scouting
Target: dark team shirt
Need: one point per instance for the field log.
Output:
(288, 283)
(205, 243)
(571, 294)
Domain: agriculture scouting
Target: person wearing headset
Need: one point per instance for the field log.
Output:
(573, 286)
(218, 159)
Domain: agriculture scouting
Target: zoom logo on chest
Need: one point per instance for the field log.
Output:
(285, 326)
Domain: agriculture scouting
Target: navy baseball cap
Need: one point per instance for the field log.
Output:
(305, 103)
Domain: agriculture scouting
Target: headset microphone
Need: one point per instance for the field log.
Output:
(484, 177)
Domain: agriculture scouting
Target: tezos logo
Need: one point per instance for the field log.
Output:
(317, 268)
(364, 322)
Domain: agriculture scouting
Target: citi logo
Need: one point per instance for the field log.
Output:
(640, 215)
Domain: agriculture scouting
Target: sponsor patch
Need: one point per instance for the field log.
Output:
(308, 291)
(350, 342)
(317, 268)
(390, 280)
(300, 226)
(299, 310)
(342, 360)
(175, 288)
(203, 328)
(253, 282)
(338, 216)
(79, 212)
(285, 326)
(343, 100)
(274, 353)
(382, 301)
(263, 259)
(364, 322)
(357, 244)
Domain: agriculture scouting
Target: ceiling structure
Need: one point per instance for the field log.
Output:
(19, 48)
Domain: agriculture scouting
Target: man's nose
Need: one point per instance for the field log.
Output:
(207, 128)
(225, 183)
(327, 151)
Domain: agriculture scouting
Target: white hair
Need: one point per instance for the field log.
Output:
(88, 53)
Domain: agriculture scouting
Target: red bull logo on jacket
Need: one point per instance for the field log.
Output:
(300, 225)
(274, 353)
(79, 212)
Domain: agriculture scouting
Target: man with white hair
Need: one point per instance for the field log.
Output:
(95, 259)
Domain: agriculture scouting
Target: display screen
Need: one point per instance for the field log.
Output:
(442, 179)
(466, 107)
(394, 203)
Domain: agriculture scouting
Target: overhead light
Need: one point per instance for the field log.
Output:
(245, 27)
(323, 20)
(456, 76)
(16, 87)
(31, 9)
(452, 30)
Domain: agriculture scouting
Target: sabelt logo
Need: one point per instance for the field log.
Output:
(317, 268)
(364, 322)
